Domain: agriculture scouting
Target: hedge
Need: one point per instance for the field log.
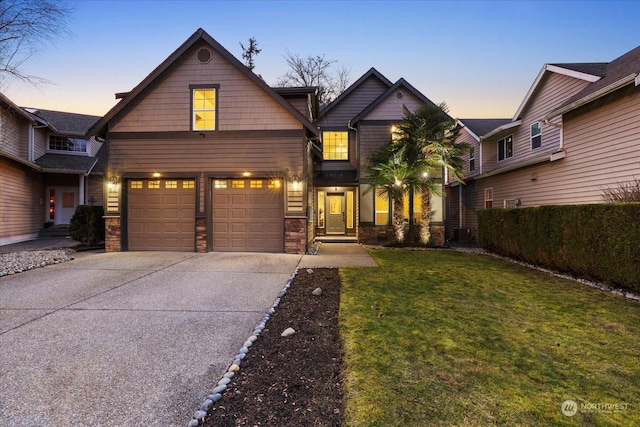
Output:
(87, 225)
(597, 242)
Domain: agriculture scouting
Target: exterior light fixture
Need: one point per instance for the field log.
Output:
(425, 174)
(113, 182)
(156, 175)
(296, 182)
(246, 174)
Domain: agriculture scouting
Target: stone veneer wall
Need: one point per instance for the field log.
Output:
(201, 235)
(295, 235)
(112, 240)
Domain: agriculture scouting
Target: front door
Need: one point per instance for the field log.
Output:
(62, 204)
(335, 209)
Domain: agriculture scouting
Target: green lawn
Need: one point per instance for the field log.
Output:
(448, 338)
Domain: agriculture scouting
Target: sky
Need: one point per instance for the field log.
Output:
(479, 57)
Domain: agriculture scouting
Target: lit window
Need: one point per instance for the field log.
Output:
(64, 143)
(255, 183)
(320, 209)
(220, 183)
(136, 185)
(382, 209)
(237, 184)
(417, 207)
(274, 184)
(488, 198)
(154, 184)
(335, 145)
(171, 184)
(536, 136)
(505, 148)
(188, 184)
(204, 109)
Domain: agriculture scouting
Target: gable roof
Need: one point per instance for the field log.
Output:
(578, 71)
(371, 73)
(9, 105)
(402, 83)
(620, 72)
(479, 127)
(64, 123)
(199, 35)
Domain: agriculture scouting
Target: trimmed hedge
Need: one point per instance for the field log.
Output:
(87, 225)
(598, 242)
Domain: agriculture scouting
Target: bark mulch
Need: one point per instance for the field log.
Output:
(295, 380)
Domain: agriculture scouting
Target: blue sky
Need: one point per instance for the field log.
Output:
(479, 57)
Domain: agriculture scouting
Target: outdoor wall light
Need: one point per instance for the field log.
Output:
(113, 182)
(296, 182)
(246, 174)
(156, 175)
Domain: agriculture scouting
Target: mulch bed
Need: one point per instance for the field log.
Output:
(295, 380)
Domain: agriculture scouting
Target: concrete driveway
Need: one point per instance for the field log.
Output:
(128, 338)
(134, 338)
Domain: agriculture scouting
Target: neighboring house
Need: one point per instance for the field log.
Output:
(204, 156)
(48, 168)
(576, 133)
(353, 127)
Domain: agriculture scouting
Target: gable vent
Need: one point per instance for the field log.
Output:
(204, 55)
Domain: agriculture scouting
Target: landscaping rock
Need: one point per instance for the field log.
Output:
(288, 332)
(317, 292)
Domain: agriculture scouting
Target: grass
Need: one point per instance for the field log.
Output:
(442, 338)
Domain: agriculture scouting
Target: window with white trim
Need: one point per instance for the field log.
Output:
(335, 145)
(472, 158)
(536, 136)
(505, 148)
(67, 143)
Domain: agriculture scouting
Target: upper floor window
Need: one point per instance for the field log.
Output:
(505, 148)
(65, 143)
(204, 108)
(472, 158)
(335, 145)
(536, 136)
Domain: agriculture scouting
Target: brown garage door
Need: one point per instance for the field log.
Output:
(248, 215)
(161, 215)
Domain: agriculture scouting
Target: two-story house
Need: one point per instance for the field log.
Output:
(576, 133)
(48, 168)
(352, 127)
(204, 156)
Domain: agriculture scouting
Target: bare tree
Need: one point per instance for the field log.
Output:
(24, 26)
(315, 71)
(249, 52)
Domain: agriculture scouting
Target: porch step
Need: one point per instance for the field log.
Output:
(337, 239)
(55, 231)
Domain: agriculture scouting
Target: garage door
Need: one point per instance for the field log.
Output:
(161, 215)
(248, 215)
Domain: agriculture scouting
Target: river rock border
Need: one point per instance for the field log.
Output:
(217, 392)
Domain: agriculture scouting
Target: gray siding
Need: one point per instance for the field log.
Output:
(552, 91)
(353, 104)
(602, 149)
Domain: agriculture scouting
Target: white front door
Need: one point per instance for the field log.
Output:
(62, 204)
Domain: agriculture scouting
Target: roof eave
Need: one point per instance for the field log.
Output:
(469, 131)
(500, 129)
(99, 127)
(554, 69)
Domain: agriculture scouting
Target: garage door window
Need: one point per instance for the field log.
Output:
(170, 184)
(220, 184)
(255, 184)
(237, 184)
(136, 185)
(154, 184)
(188, 184)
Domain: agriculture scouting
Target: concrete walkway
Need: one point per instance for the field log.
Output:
(134, 338)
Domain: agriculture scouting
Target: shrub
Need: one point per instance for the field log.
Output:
(87, 225)
(598, 242)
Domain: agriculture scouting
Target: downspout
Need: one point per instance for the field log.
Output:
(357, 150)
(460, 198)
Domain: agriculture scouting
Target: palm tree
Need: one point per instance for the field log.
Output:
(429, 136)
(388, 173)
